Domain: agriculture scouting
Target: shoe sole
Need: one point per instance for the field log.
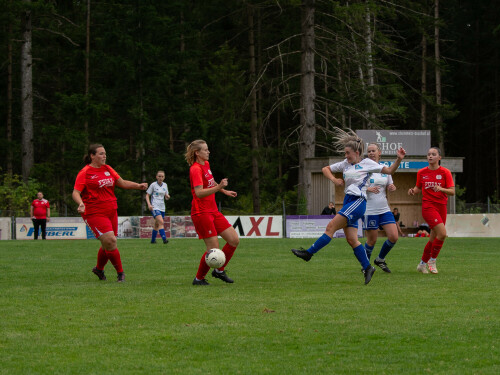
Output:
(298, 256)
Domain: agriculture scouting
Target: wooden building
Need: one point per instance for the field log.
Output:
(323, 191)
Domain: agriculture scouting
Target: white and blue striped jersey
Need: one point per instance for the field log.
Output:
(356, 175)
(157, 195)
(376, 203)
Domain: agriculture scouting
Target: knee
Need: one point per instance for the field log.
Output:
(109, 243)
(235, 241)
(393, 238)
(352, 242)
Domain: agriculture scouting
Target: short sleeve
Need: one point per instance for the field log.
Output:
(389, 180)
(80, 181)
(338, 167)
(196, 176)
(449, 179)
(150, 189)
(47, 204)
(419, 179)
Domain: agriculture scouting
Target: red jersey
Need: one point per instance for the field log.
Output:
(427, 179)
(201, 175)
(97, 187)
(40, 208)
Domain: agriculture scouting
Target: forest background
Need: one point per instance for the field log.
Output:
(263, 82)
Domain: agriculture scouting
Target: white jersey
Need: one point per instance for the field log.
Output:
(157, 195)
(356, 175)
(376, 203)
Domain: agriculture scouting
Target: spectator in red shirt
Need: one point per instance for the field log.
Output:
(94, 192)
(207, 220)
(436, 184)
(40, 215)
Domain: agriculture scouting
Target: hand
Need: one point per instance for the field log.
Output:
(437, 188)
(150, 208)
(391, 187)
(143, 186)
(230, 193)
(401, 153)
(167, 197)
(373, 189)
(223, 183)
(338, 182)
(81, 208)
(48, 219)
(411, 191)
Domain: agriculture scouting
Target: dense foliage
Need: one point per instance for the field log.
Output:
(163, 73)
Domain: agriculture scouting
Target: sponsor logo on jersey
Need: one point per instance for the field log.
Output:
(105, 182)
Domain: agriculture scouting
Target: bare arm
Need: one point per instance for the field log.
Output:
(148, 202)
(77, 197)
(48, 213)
(202, 193)
(31, 211)
(401, 153)
(130, 185)
(327, 172)
(447, 191)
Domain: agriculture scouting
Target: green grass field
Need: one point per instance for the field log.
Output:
(281, 316)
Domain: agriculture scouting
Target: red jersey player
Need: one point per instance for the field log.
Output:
(40, 214)
(207, 220)
(94, 192)
(435, 183)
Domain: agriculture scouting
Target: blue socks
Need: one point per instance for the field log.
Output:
(319, 244)
(153, 235)
(386, 247)
(360, 253)
(162, 234)
(369, 250)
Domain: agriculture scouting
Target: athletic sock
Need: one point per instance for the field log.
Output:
(162, 234)
(154, 234)
(422, 262)
(436, 248)
(102, 259)
(228, 251)
(319, 244)
(116, 261)
(427, 252)
(386, 247)
(369, 250)
(360, 253)
(203, 268)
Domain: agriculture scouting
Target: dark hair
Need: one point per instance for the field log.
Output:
(439, 153)
(92, 151)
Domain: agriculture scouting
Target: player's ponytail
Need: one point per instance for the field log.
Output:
(92, 151)
(349, 138)
(191, 150)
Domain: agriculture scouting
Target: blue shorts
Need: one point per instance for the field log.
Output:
(373, 222)
(158, 212)
(354, 208)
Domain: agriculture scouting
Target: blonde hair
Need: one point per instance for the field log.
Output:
(343, 139)
(191, 149)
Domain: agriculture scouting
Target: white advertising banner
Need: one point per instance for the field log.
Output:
(312, 226)
(58, 228)
(5, 225)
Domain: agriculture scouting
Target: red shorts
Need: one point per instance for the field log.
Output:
(434, 213)
(210, 224)
(102, 223)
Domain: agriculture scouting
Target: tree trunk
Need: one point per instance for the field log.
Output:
(423, 102)
(369, 63)
(253, 115)
(87, 74)
(308, 95)
(439, 116)
(9, 101)
(28, 158)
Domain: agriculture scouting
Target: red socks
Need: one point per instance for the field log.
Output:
(114, 257)
(102, 259)
(427, 252)
(228, 251)
(202, 268)
(436, 248)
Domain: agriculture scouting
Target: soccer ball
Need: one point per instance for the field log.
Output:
(215, 258)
